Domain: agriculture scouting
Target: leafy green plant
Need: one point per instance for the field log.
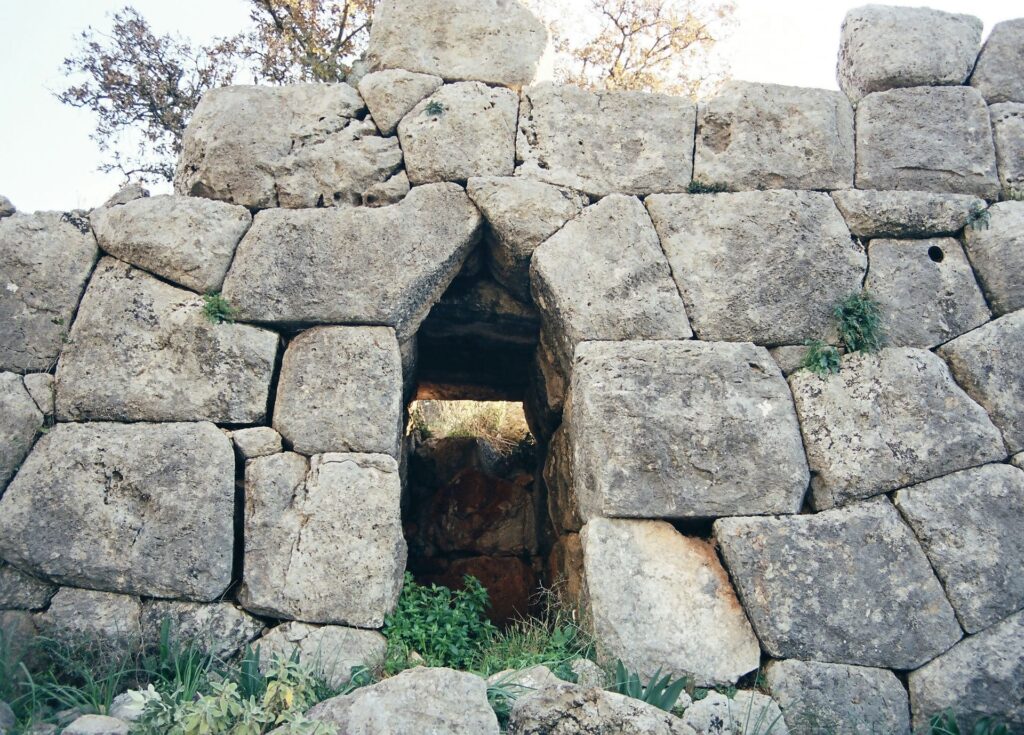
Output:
(434, 108)
(821, 358)
(553, 640)
(979, 218)
(662, 692)
(700, 187)
(945, 723)
(859, 320)
(217, 310)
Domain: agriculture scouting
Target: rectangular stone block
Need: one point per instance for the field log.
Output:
(1008, 133)
(871, 213)
(996, 250)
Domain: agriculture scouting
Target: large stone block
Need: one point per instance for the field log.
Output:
(764, 267)
(999, 73)
(926, 290)
(20, 591)
(905, 213)
(86, 616)
(494, 41)
(20, 421)
(835, 698)
(971, 525)
(331, 651)
(340, 390)
(768, 136)
(989, 364)
(997, 254)
(390, 95)
(604, 277)
(683, 430)
(219, 628)
(887, 421)
(605, 142)
(184, 239)
(45, 261)
(748, 712)
(364, 266)
(1008, 134)
(573, 708)
(323, 538)
(926, 139)
(462, 130)
(143, 509)
(659, 600)
(142, 350)
(849, 586)
(882, 47)
(301, 145)
(979, 677)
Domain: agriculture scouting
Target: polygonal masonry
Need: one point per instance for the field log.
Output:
(999, 73)
(905, 213)
(104, 618)
(391, 94)
(996, 250)
(20, 421)
(1008, 133)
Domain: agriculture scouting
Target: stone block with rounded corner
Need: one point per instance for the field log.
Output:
(849, 585)
(999, 73)
(870, 213)
(996, 251)
(390, 94)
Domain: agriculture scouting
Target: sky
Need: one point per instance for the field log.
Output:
(48, 161)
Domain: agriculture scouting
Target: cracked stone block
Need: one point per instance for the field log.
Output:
(849, 586)
(41, 386)
(143, 509)
(997, 254)
(905, 214)
(219, 628)
(391, 94)
(332, 651)
(1008, 133)
(999, 73)
(20, 421)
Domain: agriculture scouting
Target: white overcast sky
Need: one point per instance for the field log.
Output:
(47, 160)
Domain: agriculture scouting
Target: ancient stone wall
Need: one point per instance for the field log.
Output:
(446, 224)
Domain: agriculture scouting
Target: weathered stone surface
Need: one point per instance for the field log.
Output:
(789, 358)
(330, 650)
(605, 142)
(294, 146)
(926, 290)
(569, 708)
(388, 192)
(849, 585)
(525, 680)
(997, 254)
(20, 421)
(1008, 134)
(683, 429)
(495, 41)
(45, 261)
(420, 700)
(366, 266)
(604, 277)
(887, 421)
(979, 677)
(97, 725)
(999, 73)
(563, 508)
(462, 130)
(989, 364)
(127, 193)
(834, 698)
(142, 350)
(258, 441)
(971, 525)
(521, 214)
(220, 628)
(769, 136)
(764, 267)
(747, 713)
(340, 390)
(565, 568)
(18, 628)
(41, 387)
(323, 538)
(882, 47)
(390, 94)
(658, 599)
(137, 508)
(76, 614)
(926, 139)
(184, 239)
(1018, 461)
(19, 591)
(905, 213)
(6, 207)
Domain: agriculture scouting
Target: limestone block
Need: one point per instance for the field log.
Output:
(971, 525)
(128, 193)
(45, 261)
(820, 698)
(905, 213)
(849, 585)
(299, 145)
(331, 651)
(658, 599)
(462, 130)
(323, 538)
(78, 615)
(887, 421)
(494, 41)
(19, 591)
(563, 508)
(388, 192)
(789, 358)
(340, 390)
(142, 350)
(219, 628)
(1018, 461)
(926, 290)
(997, 254)
(521, 214)
(20, 421)
(747, 713)
(1008, 133)
(769, 136)
(525, 680)
(6, 207)
(41, 386)
(683, 430)
(882, 47)
(604, 277)
(979, 677)
(97, 725)
(143, 509)
(572, 708)
(259, 441)
(999, 73)
(365, 266)
(926, 139)
(183, 239)
(764, 267)
(605, 142)
(989, 364)
(390, 95)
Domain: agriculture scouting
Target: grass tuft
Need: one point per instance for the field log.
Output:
(217, 310)
(502, 424)
(859, 320)
(821, 358)
(700, 187)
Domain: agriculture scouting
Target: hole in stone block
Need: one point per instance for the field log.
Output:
(936, 254)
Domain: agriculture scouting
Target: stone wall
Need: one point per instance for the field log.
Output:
(712, 508)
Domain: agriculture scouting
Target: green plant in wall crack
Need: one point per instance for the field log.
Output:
(859, 320)
(945, 723)
(979, 218)
(217, 310)
(821, 358)
(662, 692)
(700, 187)
(434, 108)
